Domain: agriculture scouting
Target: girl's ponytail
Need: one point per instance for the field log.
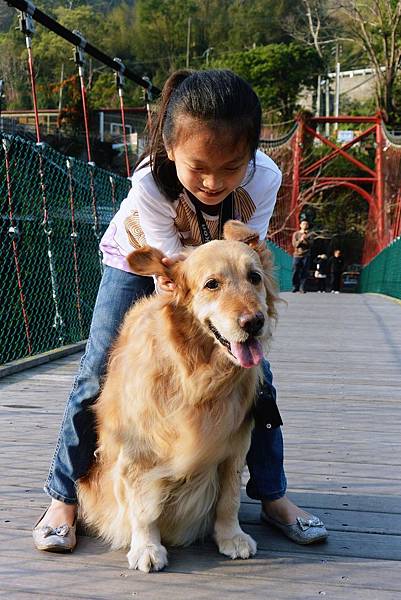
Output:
(163, 169)
(171, 85)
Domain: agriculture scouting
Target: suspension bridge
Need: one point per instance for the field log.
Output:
(337, 361)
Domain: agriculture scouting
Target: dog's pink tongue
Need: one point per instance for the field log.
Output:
(249, 353)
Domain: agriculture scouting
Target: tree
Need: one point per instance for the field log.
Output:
(376, 24)
(217, 27)
(6, 17)
(161, 32)
(308, 23)
(277, 72)
(315, 23)
(257, 23)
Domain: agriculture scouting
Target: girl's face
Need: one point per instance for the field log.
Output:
(208, 162)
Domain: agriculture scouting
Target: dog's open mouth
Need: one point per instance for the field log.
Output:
(248, 353)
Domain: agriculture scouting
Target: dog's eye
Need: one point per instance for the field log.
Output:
(212, 284)
(254, 277)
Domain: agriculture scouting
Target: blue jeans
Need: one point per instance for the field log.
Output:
(77, 439)
(300, 272)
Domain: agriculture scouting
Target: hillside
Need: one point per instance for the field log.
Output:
(7, 13)
(6, 16)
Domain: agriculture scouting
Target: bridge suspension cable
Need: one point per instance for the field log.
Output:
(29, 8)
(26, 26)
(79, 59)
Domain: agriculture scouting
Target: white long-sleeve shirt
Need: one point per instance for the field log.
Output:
(146, 216)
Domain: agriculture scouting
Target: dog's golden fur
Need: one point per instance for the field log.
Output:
(174, 417)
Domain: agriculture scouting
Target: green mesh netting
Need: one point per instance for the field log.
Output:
(282, 267)
(383, 274)
(53, 212)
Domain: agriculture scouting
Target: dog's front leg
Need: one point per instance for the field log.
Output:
(230, 538)
(146, 552)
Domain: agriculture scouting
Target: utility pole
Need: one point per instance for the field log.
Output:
(337, 93)
(327, 94)
(318, 98)
(60, 92)
(188, 41)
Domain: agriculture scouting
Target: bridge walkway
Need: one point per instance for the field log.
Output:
(337, 366)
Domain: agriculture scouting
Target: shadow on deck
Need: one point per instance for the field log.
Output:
(337, 366)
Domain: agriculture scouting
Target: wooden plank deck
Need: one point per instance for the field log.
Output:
(337, 366)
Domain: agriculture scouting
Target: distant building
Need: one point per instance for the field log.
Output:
(23, 121)
(105, 123)
(357, 85)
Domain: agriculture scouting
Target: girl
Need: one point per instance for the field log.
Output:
(202, 168)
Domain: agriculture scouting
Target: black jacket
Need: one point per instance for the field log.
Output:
(336, 265)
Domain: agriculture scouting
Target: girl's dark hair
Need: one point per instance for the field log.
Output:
(216, 96)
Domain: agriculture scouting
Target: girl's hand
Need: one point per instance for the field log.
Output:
(169, 261)
(165, 284)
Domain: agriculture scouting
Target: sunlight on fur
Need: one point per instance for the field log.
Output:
(175, 414)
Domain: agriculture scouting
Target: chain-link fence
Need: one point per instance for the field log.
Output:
(383, 274)
(54, 211)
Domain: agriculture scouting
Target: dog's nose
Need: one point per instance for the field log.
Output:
(252, 323)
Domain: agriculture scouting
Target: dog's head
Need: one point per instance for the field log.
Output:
(228, 287)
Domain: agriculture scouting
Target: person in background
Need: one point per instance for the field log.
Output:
(321, 272)
(336, 269)
(301, 241)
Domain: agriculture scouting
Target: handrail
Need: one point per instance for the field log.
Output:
(275, 142)
(395, 140)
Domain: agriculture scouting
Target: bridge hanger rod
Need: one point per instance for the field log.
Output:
(42, 18)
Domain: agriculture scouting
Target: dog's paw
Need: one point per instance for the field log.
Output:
(240, 545)
(152, 557)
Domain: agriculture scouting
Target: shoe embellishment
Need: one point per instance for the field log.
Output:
(60, 531)
(305, 524)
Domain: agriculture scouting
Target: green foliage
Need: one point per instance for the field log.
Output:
(161, 31)
(103, 93)
(150, 36)
(6, 17)
(340, 219)
(250, 24)
(396, 120)
(256, 39)
(221, 25)
(340, 214)
(277, 72)
(376, 27)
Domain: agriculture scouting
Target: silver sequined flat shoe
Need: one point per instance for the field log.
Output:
(54, 539)
(303, 531)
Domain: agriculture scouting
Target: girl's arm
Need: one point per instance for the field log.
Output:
(156, 216)
(259, 221)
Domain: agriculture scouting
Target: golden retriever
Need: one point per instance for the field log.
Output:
(174, 417)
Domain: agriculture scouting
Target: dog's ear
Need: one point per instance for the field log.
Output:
(148, 261)
(238, 232)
